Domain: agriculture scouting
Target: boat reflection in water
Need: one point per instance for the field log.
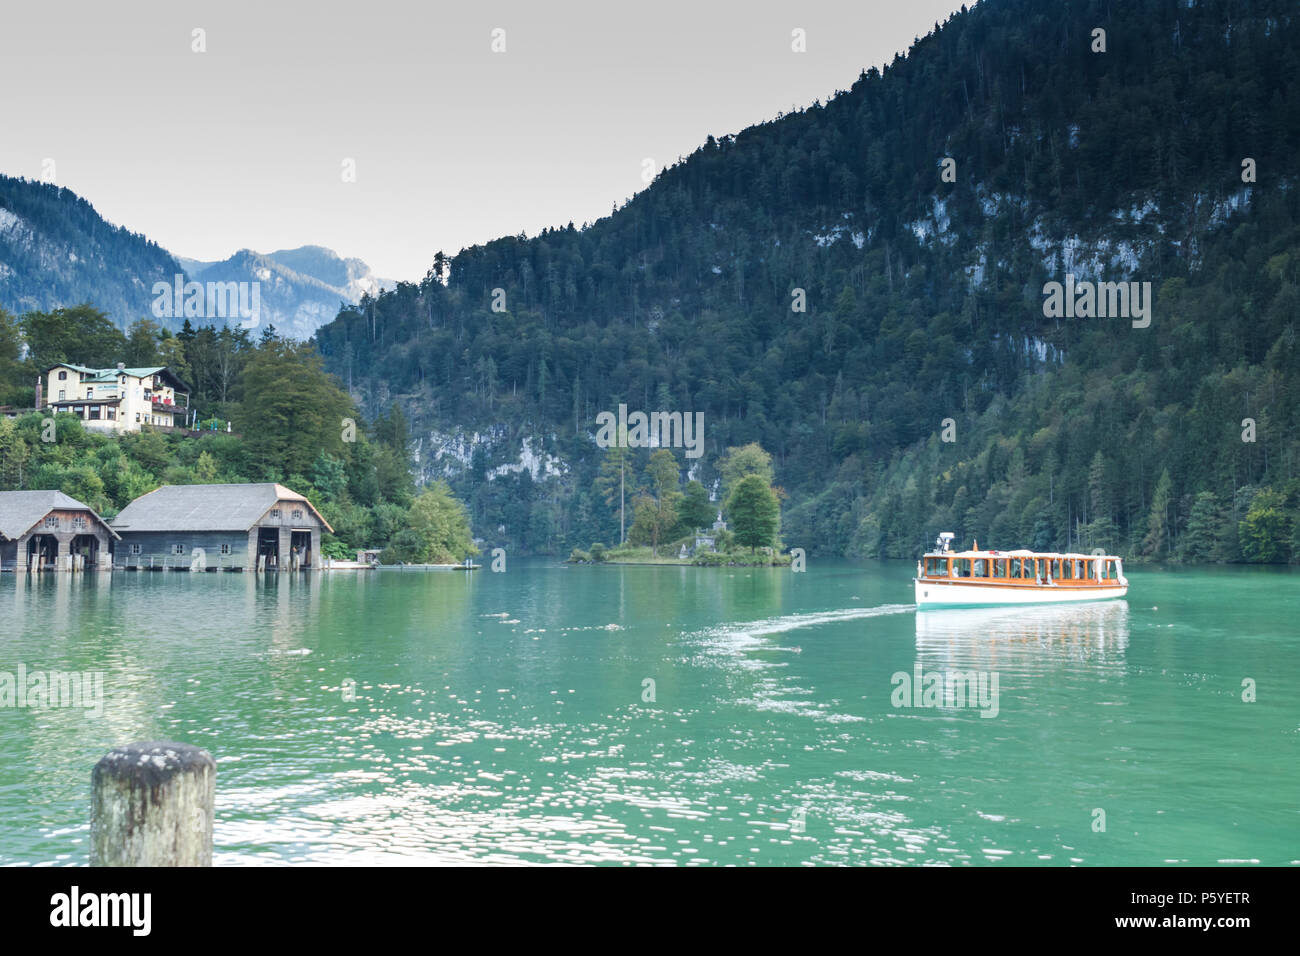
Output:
(1025, 638)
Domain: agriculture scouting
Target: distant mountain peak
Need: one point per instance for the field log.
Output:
(301, 289)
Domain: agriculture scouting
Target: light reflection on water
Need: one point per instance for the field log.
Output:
(503, 718)
(1028, 639)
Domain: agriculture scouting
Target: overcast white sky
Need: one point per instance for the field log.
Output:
(242, 146)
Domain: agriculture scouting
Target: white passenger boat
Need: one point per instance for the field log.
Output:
(947, 578)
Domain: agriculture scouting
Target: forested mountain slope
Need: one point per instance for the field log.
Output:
(924, 302)
(56, 251)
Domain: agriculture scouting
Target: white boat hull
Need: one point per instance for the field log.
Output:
(931, 594)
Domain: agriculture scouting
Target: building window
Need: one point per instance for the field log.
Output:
(297, 514)
(110, 413)
(51, 521)
(78, 523)
(178, 549)
(94, 412)
(63, 376)
(135, 549)
(275, 512)
(137, 418)
(63, 394)
(225, 549)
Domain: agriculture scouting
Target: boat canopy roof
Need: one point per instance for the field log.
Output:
(1073, 555)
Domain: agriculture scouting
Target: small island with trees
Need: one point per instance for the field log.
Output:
(675, 524)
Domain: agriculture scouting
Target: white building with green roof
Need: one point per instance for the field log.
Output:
(117, 399)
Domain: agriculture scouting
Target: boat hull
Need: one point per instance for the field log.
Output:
(933, 594)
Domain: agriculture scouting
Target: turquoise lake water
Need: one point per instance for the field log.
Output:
(384, 717)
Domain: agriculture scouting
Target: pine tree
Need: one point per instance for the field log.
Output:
(656, 515)
(696, 508)
(754, 512)
(612, 482)
(1157, 539)
(1199, 543)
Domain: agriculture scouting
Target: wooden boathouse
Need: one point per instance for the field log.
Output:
(50, 531)
(249, 527)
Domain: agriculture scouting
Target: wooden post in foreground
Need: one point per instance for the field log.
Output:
(151, 805)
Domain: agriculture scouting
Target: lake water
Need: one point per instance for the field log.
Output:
(384, 717)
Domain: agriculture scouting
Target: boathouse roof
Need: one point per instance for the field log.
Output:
(207, 507)
(20, 511)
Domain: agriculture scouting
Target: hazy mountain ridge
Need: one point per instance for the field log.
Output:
(57, 251)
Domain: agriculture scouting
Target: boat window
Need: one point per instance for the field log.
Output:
(961, 567)
(936, 567)
(981, 568)
(1054, 569)
(1067, 571)
(1017, 567)
(1000, 568)
(1108, 570)
(1090, 569)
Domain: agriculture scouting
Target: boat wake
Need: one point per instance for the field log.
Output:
(794, 622)
(749, 647)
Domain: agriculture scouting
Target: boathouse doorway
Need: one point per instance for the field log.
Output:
(42, 552)
(268, 549)
(300, 549)
(85, 552)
